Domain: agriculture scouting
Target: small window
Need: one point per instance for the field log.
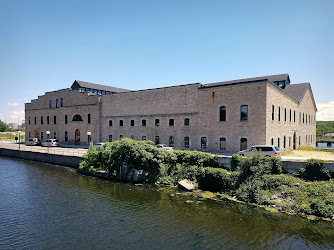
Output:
(55, 120)
(290, 115)
(132, 137)
(186, 142)
(278, 143)
(110, 123)
(279, 114)
(120, 136)
(273, 113)
(186, 122)
(171, 122)
(61, 102)
(300, 119)
(289, 142)
(222, 143)
(42, 120)
(29, 134)
(306, 140)
(285, 114)
(272, 141)
(48, 120)
(303, 118)
(110, 138)
(56, 103)
(171, 141)
(244, 112)
(157, 122)
(157, 140)
(121, 123)
(65, 119)
(66, 136)
(222, 113)
(243, 143)
(35, 120)
(42, 136)
(143, 123)
(132, 123)
(77, 118)
(143, 138)
(54, 135)
(284, 142)
(29, 122)
(294, 116)
(203, 142)
(50, 104)
(88, 118)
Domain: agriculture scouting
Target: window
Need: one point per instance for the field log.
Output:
(157, 121)
(42, 120)
(157, 140)
(203, 142)
(50, 104)
(65, 119)
(42, 136)
(290, 115)
(244, 112)
(171, 141)
(285, 114)
(222, 143)
(110, 138)
(120, 136)
(132, 137)
(54, 135)
(303, 118)
(56, 103)
(284, 142)
(186, 142)
(273, 113)
(77, 118)
(243, 143)
(300, 119)
(306, 139)
(143, 123)
(143, 138)
(171, 122)
(132, 122)
(294, 116)
(88, 118)
(61, 102)
(306, 118)
(272, 141)
(66, 136)
(55, 120)
(299, 140)
(35, 120)
(29, 122)
(278, 142)
(110, 123)
(222, 114)
(48, 120)
(29, 134)
(279, 114)
(186, 122)
(290, 142)
(121, 123)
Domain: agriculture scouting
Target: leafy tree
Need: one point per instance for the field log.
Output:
(3, 126)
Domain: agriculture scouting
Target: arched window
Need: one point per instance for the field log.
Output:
(222, 113)
(243, 143)
(110, 123)
(186, 142)
(244, 112)
(222, 143)
(186, 122)
(77, 118)
(121, 123)
(171, 141)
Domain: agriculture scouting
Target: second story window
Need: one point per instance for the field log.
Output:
(273, 112)
(290, 115)
(157, 122)
(285, 114)
(35, 120)
(143, 123)
(171, 122)
(50, 104)
(132, 123)
(157, 140)
(186, 122)
(29, 122)
(56, 103)
(279, 114)
(222, 113)
(244, 112)
(48, 119)
(42, 120)
(55, 120)
(65, 119)
(203, 142)
(61, 102)
(88, 118)
(121, 123)
(110, 123)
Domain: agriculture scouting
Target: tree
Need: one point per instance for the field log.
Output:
(3, 126)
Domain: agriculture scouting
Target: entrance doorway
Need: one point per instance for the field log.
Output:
(294, 141)
(77, 137)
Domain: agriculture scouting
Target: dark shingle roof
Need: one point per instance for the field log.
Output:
(297, 90)
(272, 78)
(100, 87)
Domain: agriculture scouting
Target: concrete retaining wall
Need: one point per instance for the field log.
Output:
(69, 161)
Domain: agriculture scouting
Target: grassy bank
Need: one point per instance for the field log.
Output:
(254, 179)
(10, 137)
(306, 148)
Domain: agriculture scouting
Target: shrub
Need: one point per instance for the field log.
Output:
(315, 170)
(217, 179)
(236, 162)
(274, 182)
(196, 158)
(252, 191)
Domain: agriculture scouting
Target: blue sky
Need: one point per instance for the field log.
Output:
(46, 45)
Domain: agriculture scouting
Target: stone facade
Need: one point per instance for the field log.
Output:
(185, 116)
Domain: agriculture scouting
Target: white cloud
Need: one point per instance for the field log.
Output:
(12, 104)
(325, 111)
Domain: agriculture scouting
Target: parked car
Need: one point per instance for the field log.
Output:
(98, 144)
(33, 142)
(265, 150)
(164, 146)
(50, 143)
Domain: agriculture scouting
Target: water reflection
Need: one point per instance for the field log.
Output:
(44, 206)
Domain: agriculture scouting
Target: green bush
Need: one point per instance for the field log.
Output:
(196, 158)
(252, 191)
(236, 162)
(315, 170)
(217, 179)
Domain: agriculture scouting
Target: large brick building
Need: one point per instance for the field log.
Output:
(217, 117)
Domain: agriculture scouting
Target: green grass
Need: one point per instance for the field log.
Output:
(10, 137)
(307, 148)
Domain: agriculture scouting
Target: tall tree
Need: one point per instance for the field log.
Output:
(3, 126)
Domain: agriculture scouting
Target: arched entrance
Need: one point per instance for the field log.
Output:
(294, 141)
(77, 137)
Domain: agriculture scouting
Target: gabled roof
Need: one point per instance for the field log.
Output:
(272, 78)
(90, 85)
(297, 90)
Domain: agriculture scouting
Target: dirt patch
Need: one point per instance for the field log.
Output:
(301, 154)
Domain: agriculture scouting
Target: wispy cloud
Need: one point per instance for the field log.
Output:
(325, 111)
(12, 104)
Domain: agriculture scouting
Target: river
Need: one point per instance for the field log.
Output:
(52, 207)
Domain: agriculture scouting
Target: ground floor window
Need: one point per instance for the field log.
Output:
(222, 143)
(284, 142)
(243, 143)
(143, 138)
(55, 135)
(29, 134)
(272, 141)
(110, 138)
(290, 142)
(157, 140)
(120, 136)
(203, 142)
(278, 143)
(186, 142)
(132, 137)
(171, 141)
(66, 136)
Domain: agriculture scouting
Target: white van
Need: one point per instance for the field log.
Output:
(265, 150)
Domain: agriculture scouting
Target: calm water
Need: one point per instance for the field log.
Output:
(49, 207)
(324, 146)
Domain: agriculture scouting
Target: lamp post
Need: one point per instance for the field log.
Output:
(19, 132)
(47, 134)
(89, 138)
